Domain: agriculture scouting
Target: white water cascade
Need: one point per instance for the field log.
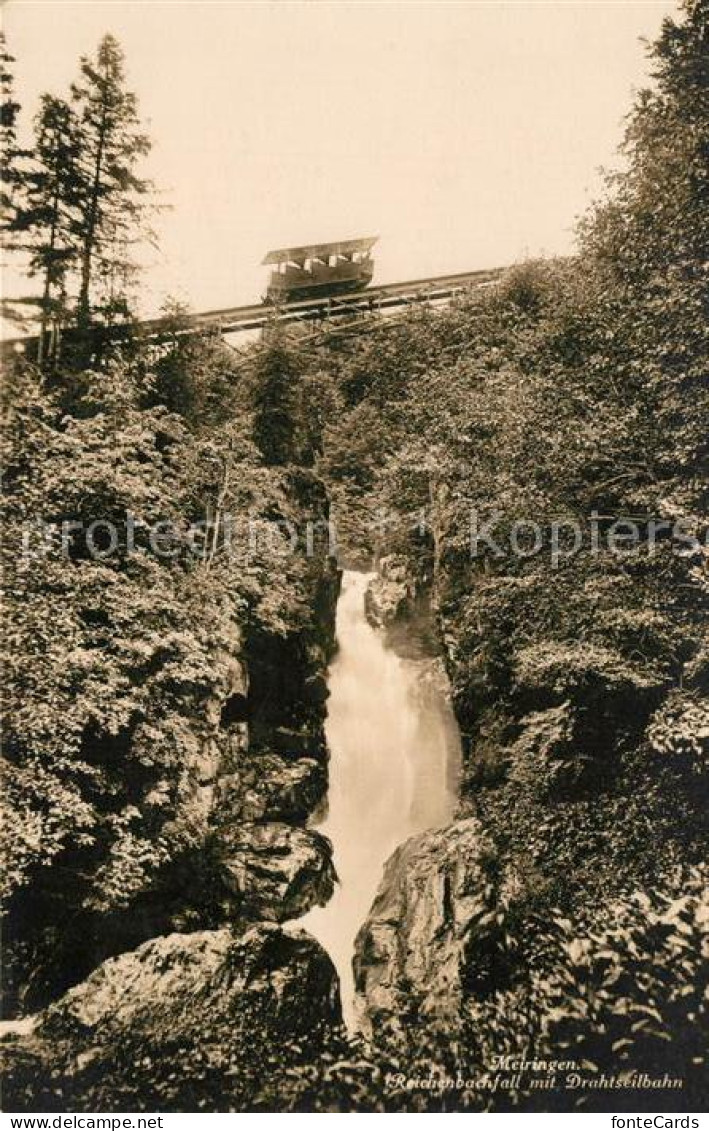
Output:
(394, 764)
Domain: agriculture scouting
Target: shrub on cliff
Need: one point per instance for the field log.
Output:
(109, 657)
(629, 996)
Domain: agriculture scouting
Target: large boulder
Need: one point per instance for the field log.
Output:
(158, 986)
(180, 1018)
(274, 870)
(416, 949)
(268, 787)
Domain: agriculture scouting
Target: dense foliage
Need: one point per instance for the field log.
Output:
(121, 635)
(551, 411)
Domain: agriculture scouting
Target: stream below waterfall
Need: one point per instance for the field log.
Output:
(394, 766)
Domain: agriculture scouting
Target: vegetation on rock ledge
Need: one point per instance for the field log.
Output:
(574, 392)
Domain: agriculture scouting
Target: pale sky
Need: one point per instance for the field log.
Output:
(466, 135)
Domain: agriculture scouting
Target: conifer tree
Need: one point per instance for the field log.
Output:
(112, 197)
(274, 402)
(49, 216)
(12, 166)
(74, 205)
(9, 110)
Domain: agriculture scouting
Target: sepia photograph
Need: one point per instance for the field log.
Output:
(355, 554)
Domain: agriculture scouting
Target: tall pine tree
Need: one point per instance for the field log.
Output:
(12, 169)
(112, 199)
(49, 217)
(74, 206)
(10, 174)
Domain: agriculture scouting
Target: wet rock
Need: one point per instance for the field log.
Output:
(274, 870)
(315, 690)
(198, 1005)
(267, 787)
(417, 946)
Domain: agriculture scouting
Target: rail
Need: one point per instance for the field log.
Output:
(239, 319)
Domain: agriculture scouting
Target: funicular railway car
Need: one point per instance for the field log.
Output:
(320, 270)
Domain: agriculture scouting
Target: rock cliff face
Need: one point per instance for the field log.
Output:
(270, 774)
(390, 595)
(397, 605)
(162, 983)
(421, 944)
(180, 1017)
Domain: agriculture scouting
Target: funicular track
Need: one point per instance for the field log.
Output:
(325, 316)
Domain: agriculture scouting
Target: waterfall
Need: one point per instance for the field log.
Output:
(394, 762)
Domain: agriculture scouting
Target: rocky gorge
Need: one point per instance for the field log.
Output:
(260, 780)
(195, 932)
